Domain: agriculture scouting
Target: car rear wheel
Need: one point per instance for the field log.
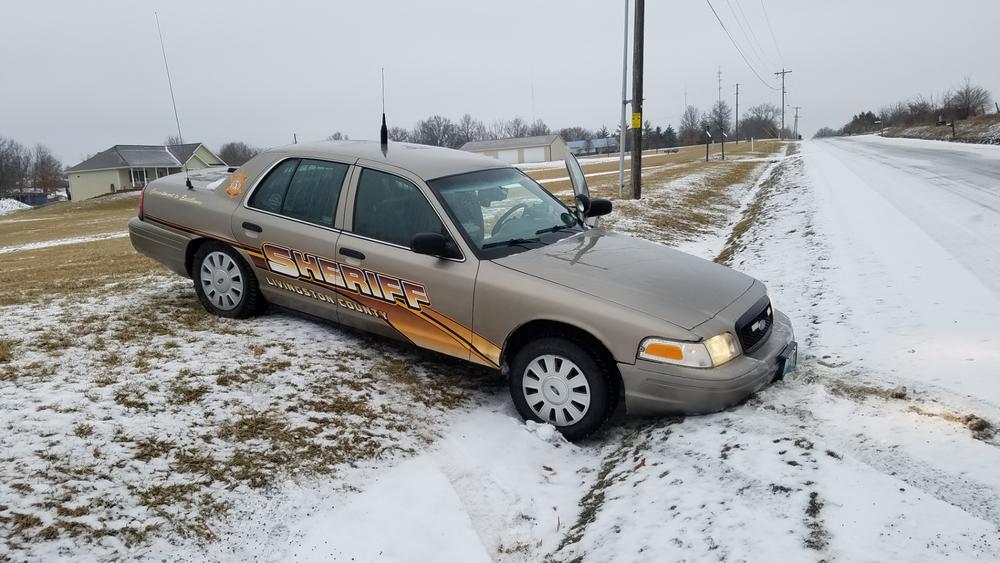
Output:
(556, 381)
(224, 282)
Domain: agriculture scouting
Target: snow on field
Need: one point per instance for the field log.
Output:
(11, 205)
(61, 242)
(133, 420)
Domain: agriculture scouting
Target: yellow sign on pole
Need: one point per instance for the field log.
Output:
(636, 120)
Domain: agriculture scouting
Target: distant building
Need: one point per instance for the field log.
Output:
(130, 167)
(593, 146)
(542, 148)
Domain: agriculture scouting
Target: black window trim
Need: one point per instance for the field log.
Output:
(353, 204)
(267, 171)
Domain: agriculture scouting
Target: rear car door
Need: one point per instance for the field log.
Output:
(397, 292)
(287, 224)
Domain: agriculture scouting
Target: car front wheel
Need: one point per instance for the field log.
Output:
(556, 381)
(224, 282)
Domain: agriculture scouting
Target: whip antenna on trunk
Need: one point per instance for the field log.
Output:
(159, 32)
(384, 132)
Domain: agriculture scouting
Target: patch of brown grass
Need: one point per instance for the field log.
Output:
(73, 269)
(68, 219)
(7, 346)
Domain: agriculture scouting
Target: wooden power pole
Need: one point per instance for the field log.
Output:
(640, 8)
(736, 114)
(783, 72)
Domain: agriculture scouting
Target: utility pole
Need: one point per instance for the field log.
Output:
(640, 8)
(783, 72)
(737, 113)
(796, 127)
(621, 130)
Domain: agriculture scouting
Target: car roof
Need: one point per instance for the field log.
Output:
(425, 161)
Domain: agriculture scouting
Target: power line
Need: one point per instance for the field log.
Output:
(750, 66)
(781, 57)
(746, 36)
(764, 56)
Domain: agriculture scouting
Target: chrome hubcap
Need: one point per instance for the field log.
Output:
(221, 280)
(556, 390)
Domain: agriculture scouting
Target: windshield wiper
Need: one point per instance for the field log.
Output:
(554, 229)
(512, 242)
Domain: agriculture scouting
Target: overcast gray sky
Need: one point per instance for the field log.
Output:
(82, 76)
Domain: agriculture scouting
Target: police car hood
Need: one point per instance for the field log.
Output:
(651, 278)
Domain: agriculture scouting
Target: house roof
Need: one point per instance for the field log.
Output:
(517, 143)
(128, 156)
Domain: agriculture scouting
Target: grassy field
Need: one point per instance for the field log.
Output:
(133, 416)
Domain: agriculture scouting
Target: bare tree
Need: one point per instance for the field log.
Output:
(46, 170)
(515, 128)
(173, 140)
(436, 130)
(538, 127)
(721, 116)
(968, 100)
(15, 166)
(760, 121)
(690, 132)
(236, 153)
(338, 136)
(576, 133)
(399, 134)
(468, 129)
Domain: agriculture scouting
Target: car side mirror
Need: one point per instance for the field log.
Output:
(599, 207)
(587, 207)
(434, 244)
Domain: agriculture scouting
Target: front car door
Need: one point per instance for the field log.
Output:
(579, 181)
(424, 299)
(288, 224)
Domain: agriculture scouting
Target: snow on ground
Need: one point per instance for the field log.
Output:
(880, 447)
(11, 205)
(838, 462)
(61, 242)
(133, 420)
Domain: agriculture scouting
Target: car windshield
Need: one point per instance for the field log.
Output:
(504, 209)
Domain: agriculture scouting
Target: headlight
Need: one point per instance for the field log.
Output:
(709, 353)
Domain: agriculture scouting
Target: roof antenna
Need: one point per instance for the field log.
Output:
(187, 179)
(384, 132)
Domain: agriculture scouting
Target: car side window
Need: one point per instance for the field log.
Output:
(314, 190)
(270, 194)
(390, 209)
(303, 189)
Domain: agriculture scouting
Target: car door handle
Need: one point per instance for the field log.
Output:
(351, 253)
(252, 227)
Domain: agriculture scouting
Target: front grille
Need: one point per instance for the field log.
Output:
(754, 326)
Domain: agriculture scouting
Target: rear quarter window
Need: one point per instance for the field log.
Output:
(303, 189)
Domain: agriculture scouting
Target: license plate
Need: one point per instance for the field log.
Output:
(790, 355)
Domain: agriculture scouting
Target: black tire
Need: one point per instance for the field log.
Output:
(599, 383)
(247, 304)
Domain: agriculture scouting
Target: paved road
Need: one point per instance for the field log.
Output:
(951, 191)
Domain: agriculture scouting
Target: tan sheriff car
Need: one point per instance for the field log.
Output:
(468, 256)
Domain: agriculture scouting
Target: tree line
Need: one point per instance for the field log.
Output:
(760, 121)
(965, 101)
(23, 167)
